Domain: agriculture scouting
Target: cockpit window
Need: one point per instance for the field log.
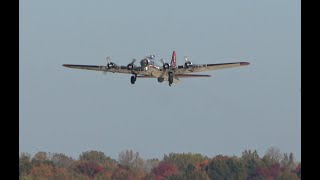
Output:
(145, 62)
(152, 56)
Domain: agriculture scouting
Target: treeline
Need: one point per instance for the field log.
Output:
(94, 165)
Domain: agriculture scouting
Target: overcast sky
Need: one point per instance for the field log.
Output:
(70, 111)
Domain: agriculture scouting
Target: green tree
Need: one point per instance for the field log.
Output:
(287, 176)
(291, 163)
(25, 165)
(218, 168)
(237, 168)
(251, 163)
(192, 173)
(298, 170)
(175, 177)
(96, 156)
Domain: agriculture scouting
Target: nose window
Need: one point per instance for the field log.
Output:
(144, 62)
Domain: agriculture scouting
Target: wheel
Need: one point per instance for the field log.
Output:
(133, 79)
(160, 80)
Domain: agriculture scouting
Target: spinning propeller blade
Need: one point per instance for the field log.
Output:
(108, 61)
(133, 60)
(186, 58)
(162, 60)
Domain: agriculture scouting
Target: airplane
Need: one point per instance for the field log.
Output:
(166, 72)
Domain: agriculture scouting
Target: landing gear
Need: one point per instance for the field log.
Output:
(133, 79)
(170, 79)
(160, 79)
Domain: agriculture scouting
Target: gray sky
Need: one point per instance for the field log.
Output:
(72, 111)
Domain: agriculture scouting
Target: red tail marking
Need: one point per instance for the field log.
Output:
(173, 60)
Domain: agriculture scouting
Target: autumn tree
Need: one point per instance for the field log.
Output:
(95, 165)
(61, 173)
(61, 160)
(132, 161)
(42, 171)
(100, 159)
(164, 169)
(88, 168)
(103, 176)
(266, 172)
(149, 164)
(41, 158)
(181, 161)
(122, 174)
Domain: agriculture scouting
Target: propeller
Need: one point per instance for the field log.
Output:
(186, 58)
(133, 60)
(130, 66)
(108, 59)
(162, 60)
(108, 62)
(187, 62)
(164, 64)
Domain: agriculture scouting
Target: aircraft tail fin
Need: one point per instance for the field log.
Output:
(173, 60)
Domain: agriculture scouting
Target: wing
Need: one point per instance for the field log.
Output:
(116, 69)
(207, 67)
(191, 75)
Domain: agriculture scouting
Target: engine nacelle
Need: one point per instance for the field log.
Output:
(130, 66)
(188, 64)
(160, 79)
(166, 66)
(111, 65)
